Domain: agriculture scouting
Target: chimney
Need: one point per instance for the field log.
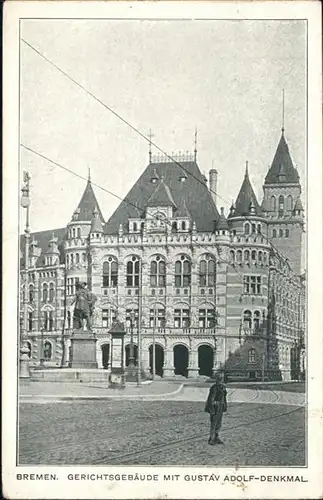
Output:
(213, 183)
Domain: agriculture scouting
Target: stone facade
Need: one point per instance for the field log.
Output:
(212, 294)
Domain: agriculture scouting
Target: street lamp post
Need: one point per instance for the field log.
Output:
(154, 346)
(131, 352)
(24, 350)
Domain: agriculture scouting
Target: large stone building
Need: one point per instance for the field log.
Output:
(214, 291)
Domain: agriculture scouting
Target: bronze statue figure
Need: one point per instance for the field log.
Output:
(84, 307)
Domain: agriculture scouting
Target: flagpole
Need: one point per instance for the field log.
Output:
(24, 357)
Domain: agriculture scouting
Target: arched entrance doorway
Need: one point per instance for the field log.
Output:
(181, 360)
(105, 355)
(206, 355)
(159, 359)
(135, 354)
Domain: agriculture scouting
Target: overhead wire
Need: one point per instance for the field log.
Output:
(147, 139)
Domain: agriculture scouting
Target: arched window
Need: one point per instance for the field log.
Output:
(73, 232)
(253, 228)
(48, 321)
(84, 257)
(260, 256)
(72, 259)
(281, 233)
(182, 272)
(67, 261)
(174, 227)
(158, 272)
(133, 271)
(281, 205)
(207, 271)
(287, 233)
(273, 203)
(31, 293)
(79, 232)
(256, 320)
(290, 203)
(134, 227)
(253, 255)
(259, 228)
(30, 320)
(232, 255)
(110, 273)
(252, 355)
(246, 255)
(239, 256)
(68, 319)
(77, 258)
(45, 292)
(274, 233)
(47, 350)
(247, 228)
(247, 319)
(183, 225)
(51, 292)
(29, 348)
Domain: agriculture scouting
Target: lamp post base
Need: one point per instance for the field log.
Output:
(24, 363)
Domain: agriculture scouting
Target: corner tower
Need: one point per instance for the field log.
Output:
(283, 207)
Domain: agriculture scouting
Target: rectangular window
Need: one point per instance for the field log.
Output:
(182, 318)
(30, 321)
(206, 318)
(157, 318)
(108, 317)
(252, 284)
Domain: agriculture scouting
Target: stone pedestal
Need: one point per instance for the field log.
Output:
(83, 350)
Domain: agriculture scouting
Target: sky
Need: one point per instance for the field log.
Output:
(223, 77)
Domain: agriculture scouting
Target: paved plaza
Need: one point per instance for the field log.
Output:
(261, 428)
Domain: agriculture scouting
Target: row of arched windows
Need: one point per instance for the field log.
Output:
(47, 292)
(280, 233)
(47, 350)
(247, 256)
(252, 228)
(281, 203)
(252, 320)
(74, 232)
(75, 259)
(183, 269)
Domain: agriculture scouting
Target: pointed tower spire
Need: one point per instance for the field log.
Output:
(150, 136)
(247, 169)
(195, 144)
(283, 112)
(89, 175)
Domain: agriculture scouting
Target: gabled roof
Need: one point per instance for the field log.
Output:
(194, 191)
(88, 204)
(246, 199)
(43, 237)
(282, 169)
(182, 209)
(161, 197)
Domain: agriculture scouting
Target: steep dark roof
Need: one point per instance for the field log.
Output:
(194, 192)
(43, 237)
(87, 204)
(282, 169)
(245, 199)
(162, 196)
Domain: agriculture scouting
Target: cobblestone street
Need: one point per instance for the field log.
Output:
(159, 433)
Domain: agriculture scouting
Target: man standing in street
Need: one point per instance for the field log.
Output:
(216, 405)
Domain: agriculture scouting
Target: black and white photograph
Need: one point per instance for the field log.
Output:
(162, 194)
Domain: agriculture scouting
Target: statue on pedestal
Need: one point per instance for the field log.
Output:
(84, 302)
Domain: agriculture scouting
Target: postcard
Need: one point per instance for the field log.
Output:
(162, 276)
